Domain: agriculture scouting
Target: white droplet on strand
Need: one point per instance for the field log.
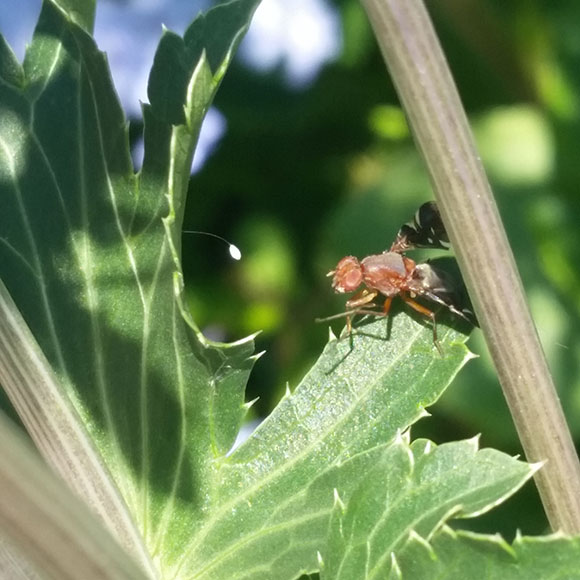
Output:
(234, 250)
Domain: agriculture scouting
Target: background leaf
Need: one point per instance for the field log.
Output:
(456, 555)
(410, 492)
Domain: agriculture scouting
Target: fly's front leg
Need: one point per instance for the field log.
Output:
(356, 303)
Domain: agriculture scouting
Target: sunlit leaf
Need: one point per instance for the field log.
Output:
(277, 490)
(411, 492)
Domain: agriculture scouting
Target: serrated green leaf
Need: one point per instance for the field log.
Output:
(90, 253)
(277, 490)
(413, 491)
(212, 37)
(453, 555)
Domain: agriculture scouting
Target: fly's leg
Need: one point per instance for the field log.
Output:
(356, 305)
(360, 299)
(425, 312)
(387, 305)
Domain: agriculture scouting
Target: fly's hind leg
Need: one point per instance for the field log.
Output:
(425, 312)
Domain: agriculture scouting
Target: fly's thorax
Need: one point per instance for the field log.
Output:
(391, 262)
(387, 272)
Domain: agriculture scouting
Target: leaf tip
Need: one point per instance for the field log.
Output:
(247, 339)
(249, 404)
(474, 441)
(257, 356)
(470, 355)
(423, 413)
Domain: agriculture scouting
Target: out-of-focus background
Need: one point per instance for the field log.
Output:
(306, 157)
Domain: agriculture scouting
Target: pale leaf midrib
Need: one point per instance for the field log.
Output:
(144, 382)
(51, 414)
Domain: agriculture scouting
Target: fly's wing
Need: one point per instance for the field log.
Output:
(426, 230)
(443, 287)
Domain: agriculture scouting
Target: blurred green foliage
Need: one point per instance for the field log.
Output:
(304, 177)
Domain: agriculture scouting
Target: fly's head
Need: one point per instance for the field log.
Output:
(347, 276)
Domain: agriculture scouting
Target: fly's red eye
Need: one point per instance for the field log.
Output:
(352, 280)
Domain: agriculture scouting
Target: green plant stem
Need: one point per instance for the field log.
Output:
(439, 124)
(53, 530)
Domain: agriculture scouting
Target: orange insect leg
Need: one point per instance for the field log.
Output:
(425, 312)
(387, 305)
(360, 299)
